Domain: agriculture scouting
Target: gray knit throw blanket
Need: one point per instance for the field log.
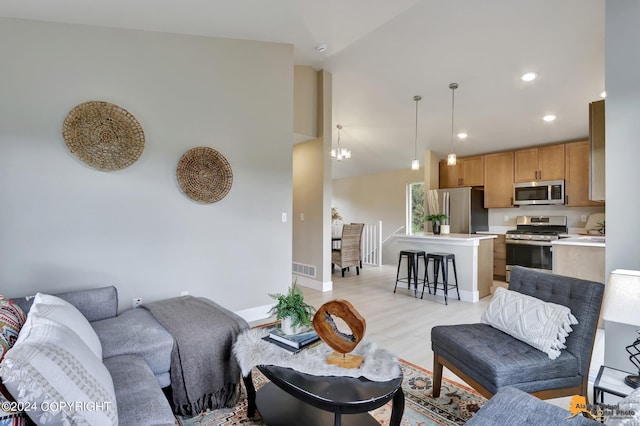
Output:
(204, 373)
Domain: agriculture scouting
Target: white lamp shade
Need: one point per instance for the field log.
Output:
(622, 297)
(415, 164)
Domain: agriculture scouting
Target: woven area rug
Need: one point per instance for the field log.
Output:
(455, 406)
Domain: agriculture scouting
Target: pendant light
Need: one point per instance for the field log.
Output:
(340, 153)
(415, 163)
(451, 158)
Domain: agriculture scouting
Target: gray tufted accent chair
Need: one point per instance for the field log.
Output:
(488, 359)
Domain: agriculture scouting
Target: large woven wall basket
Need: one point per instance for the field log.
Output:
(204, 175)
(103, 135)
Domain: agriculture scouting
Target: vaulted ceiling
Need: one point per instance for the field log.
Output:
(381, 53)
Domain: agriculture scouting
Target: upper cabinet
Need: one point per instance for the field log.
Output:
(467, 172)
(543, 163)
(498, 184)
(597, 140)
(577, 155)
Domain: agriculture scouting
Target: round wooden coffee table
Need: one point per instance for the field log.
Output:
(293, 398)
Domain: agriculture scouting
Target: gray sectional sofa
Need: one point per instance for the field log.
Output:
(136, 351)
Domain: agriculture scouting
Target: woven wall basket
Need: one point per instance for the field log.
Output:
(103, 135)
(204, 175)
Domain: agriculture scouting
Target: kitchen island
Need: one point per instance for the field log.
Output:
(580, 257)
(474, 259)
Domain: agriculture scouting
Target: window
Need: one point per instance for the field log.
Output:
(415, 207)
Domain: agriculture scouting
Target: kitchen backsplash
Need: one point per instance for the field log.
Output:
(499, 218)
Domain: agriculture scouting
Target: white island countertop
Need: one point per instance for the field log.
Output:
(586, 241)
(453, 239)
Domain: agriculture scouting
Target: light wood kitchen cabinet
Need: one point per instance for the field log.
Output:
(543, 163)
(467, 172)
(577, 156)
(499, 258)
(450, 175)
(498, 182)
(597, 140)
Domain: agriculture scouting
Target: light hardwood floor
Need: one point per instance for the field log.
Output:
(400, 322)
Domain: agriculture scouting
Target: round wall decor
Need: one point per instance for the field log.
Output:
(103, 135)
(204, 174)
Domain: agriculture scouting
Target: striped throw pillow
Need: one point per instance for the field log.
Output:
(11, 320)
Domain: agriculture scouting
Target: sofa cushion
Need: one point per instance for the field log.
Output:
(56, 309)
(511, 406)
(95, 303)
(49, 366)
(496, 359)
(136, 332)
(11, 320)
(543, 325)
(141, 402)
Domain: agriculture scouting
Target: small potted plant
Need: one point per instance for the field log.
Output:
(436, 220)
(291, 309)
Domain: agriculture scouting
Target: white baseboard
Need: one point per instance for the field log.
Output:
(314, 284)
(257, 313)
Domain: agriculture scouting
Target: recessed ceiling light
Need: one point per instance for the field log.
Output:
(462, 135)
(530, 76)
(549, 117)
(321, 48)
(603, 94)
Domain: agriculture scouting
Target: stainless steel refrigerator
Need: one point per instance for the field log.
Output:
(464, 208)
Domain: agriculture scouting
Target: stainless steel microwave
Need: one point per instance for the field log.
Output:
(540, 192)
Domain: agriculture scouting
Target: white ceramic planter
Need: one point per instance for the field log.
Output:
(287, 326)
(444, 229)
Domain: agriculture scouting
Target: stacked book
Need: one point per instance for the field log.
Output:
(292, 342)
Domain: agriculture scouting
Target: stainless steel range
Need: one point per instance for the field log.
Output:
(530, 243)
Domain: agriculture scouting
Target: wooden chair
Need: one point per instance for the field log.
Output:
(361, 229)
(488, 359)
(349, 253)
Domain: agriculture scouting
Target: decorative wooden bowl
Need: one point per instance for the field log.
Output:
(341, 343)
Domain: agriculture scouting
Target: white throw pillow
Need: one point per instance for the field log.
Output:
(65, 313)
(543, 325)
(53, 373)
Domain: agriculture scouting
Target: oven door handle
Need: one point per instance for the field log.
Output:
(529, 243)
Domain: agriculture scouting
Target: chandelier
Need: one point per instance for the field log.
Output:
(340, 153)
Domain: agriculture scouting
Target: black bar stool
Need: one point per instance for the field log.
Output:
(441, 262)
(412, 269)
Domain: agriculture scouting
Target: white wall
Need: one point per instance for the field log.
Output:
(308, 211)
(375, 197)
(623, 151)
(64, 225)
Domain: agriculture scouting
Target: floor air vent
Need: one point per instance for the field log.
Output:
(306, 270)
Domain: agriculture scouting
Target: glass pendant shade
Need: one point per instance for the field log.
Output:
(415, 163)
(451, 158)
